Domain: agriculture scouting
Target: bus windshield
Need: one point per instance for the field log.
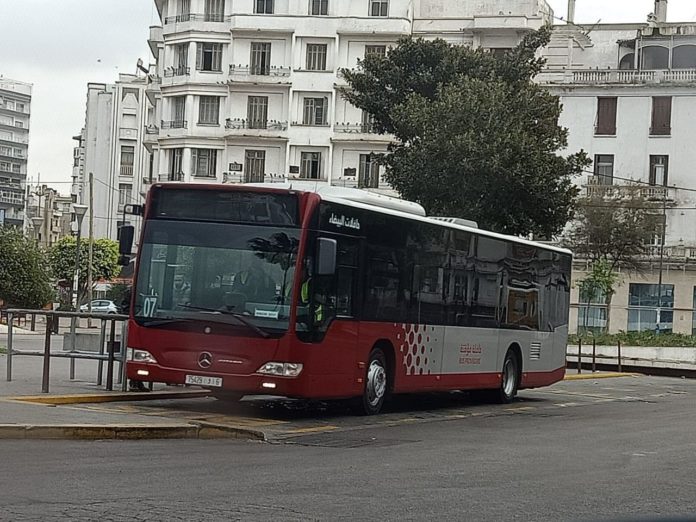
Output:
(219, 272)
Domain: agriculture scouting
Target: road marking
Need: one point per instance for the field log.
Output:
(316, 429)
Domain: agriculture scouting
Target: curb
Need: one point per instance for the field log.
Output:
(604, 375)
(101, 397)
(126, 432)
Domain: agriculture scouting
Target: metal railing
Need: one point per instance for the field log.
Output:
(617, 76)
(257, 70)
(197, 17)
(107, 351)
(181, 70)
(360, 128)
(174, 124)
(593, 356)
(240, 124)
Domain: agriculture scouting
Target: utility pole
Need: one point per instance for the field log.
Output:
(91, 247)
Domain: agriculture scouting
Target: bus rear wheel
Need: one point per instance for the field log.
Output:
(510, 380)
(376, 384)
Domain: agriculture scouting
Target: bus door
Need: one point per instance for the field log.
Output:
(330, 306)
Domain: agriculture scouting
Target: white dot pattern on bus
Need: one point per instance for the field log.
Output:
(416, 348)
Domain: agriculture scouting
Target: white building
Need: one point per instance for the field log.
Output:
(247, 90)
(15, 105)
(629, 98)
(110, 146)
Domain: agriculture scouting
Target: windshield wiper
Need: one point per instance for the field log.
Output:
(239, 317)
(160, 321)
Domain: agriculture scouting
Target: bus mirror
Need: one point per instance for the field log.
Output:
(326, 256)
(125, 239)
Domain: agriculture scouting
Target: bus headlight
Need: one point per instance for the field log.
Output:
(141, 356)
(281, 369)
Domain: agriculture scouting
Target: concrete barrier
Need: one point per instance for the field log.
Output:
(678, 358)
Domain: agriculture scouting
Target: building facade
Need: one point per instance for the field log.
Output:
(248, 91)
(49, 215)
(110, 146)
(629, 98)
(15, 111)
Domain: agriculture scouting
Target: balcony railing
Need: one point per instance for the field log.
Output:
(170, 72)
(151, 129)
(240, 124)
(16, 139)
(595, 187)
(254, 70)
(171, 176)
(356, 128)
(13, 198)
(197, 17)
(174, 124)
(126, 170)
(617, 77)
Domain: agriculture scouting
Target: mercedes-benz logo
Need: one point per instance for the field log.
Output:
(205, 360)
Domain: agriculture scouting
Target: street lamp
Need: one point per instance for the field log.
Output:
(79, 211)
(37, 222)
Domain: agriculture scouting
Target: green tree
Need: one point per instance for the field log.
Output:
(613, 227)
(475, 137)
(104, 266)
(24, 272)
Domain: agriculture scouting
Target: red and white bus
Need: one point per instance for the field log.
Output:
(338, 293)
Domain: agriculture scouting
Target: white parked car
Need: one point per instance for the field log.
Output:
(101, 306)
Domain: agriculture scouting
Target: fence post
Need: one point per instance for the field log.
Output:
(100, 364)
(619, 355)
(9, 346)
(594, 355)
(73, 334)
(110, 363)
(33, 322)
(47, 354)
(579, 355)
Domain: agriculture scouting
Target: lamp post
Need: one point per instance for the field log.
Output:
(37, 222)
(79, 211)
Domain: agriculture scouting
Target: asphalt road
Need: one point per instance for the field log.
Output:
(614, 449)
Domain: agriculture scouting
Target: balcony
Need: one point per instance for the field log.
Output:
(197, 17)
(169, 177)
(240, 177)
(12, 198)
(155, 40)
(126, 170)
(16, 140)
(174, 124)
(356, 132)
(173, 72)
(595, 188)
(150, 137)
(271, 129)
(617, 77)
(152, 90)
(244, 74)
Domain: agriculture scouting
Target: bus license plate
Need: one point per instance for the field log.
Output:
(201, 380)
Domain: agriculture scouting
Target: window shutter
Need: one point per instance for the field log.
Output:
(606, 116)
(661, 116)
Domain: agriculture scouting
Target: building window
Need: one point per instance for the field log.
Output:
(209, 56)
(124, 193)
(257, 112)
(261, 58)
(178, 111)
(499, 52)
(367, 123)
(181, 59)
(209, 110)
(314, 111)
(214, 11)
(604, 169)
(606, 117)
(368, 174)
(318, 7)
(263, 6)
(658, 170)
(127, 160)
(643, 303)
(254, 166)
(184, 11)
(204, 163)
(176, 160)
(379, 7)
(19, 107)
(316, 57)
(310, 165)
(661, 116)
(16, 169)
(376, 50)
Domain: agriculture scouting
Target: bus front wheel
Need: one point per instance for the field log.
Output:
(376, 384)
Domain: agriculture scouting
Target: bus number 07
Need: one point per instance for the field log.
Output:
(149, 306)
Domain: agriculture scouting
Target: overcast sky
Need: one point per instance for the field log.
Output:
(61, 45)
